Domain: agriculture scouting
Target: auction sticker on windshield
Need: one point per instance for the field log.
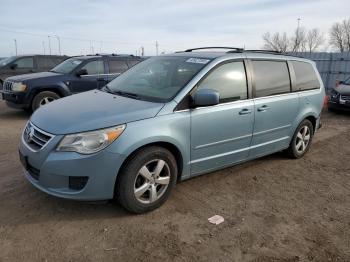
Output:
(197, 60)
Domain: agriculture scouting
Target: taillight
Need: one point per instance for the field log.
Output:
(325, 101)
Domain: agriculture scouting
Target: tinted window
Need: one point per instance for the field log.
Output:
(305, 76)
(117, 66)
(133, 62)
(94, 67)
(271, 78)
(24, 62)
(46, 62)
(229, 80)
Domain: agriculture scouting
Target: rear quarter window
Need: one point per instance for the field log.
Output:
(117, 66)
(306, 78)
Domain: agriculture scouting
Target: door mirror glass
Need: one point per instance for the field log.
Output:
(13, 66)
(81, 72)
(206, 97)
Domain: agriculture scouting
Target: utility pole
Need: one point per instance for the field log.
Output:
(15, 46)
(91, 48)
(49, 44)
(44, 47)
(142, 51)
(157, 47)
(59, 44)
(298, 36)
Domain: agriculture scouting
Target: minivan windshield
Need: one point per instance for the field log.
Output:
(157, 79)
(66, 66)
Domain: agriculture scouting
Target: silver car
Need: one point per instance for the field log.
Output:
(170, 118)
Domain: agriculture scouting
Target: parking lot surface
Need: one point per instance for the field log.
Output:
(275, 209)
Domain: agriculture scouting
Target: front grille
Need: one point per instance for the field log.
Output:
(35, 138)
(345, 97)
(7, 86)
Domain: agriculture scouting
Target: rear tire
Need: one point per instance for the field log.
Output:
(43, 98)
(146, 181)
(302, 139)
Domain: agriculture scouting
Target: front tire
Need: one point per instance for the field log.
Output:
(146, 181)
(302, 139)
(43, 98)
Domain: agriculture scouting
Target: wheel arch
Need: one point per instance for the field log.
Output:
(165, 144)
(54, 88)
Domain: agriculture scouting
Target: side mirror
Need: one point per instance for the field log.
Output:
(13, 66)
(81, 72)
(206, 97)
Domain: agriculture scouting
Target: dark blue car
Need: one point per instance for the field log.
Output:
(74, 75)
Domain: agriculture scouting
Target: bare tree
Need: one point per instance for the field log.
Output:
(298, 41)
(339, 35)
(336, 37)
(276, 42)
(314, 39)
(346, 32)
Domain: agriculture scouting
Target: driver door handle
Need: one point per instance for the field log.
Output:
(245, 111)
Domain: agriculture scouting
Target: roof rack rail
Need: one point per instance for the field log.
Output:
(237, 49)
(263, 51)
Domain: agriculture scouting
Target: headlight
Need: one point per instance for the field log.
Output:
(90, 142)
(334, 94)
(19, 87)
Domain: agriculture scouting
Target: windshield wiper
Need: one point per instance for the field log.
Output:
(127, 94)
(107, 89)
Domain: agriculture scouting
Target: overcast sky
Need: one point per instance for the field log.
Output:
(125, 26)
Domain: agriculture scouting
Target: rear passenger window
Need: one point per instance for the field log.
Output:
(46, 62)
(229, 80)
(305, 75)
(133, 62)
(94, 67)
(271, 78)
(117, 66)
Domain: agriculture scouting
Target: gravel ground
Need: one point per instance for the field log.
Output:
(275, 209)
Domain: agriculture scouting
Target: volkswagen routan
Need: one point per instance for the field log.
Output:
(170, 118)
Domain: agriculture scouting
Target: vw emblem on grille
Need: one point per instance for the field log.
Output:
(29, 133)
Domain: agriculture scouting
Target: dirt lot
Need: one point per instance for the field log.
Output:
(275, 209)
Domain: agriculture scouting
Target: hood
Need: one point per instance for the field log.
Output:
(25, 77)
(91, 110)
(343, 89)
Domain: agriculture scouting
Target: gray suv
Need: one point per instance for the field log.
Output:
(170, 118)
(25, 64)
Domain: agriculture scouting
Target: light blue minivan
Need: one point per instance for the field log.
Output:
(170, 118)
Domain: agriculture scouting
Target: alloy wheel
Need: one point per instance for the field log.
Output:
(46, 100)
(152, 181)
(303, 139)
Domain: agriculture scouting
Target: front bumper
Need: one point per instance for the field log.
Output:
(339, 106)
(17, 100)
(52, 172)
